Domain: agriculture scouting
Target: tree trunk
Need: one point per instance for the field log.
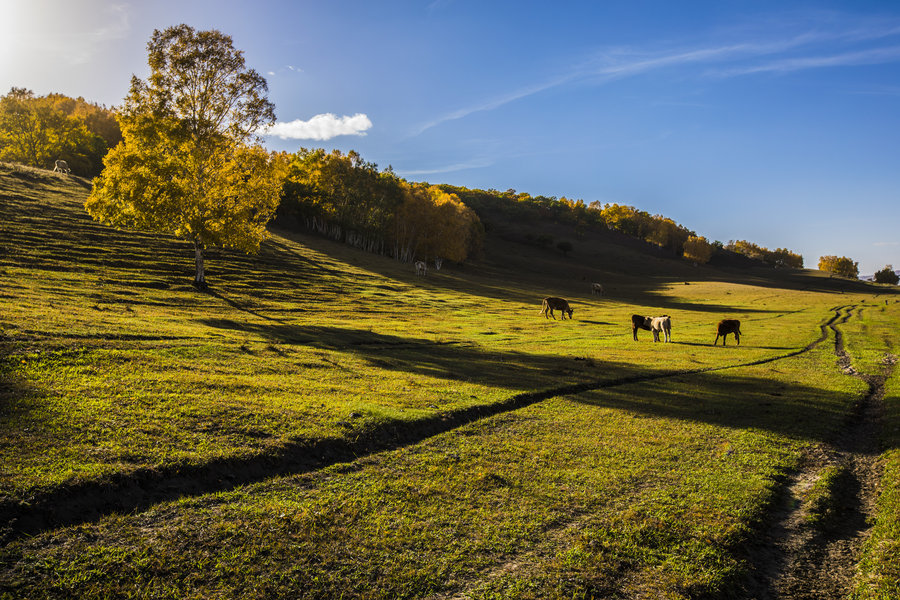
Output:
(200, 276)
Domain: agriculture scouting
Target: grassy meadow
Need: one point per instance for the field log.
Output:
(321, 423)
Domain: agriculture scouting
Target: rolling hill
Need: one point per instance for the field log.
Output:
(322, 423)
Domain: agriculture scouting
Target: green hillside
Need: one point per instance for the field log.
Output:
(322, 423)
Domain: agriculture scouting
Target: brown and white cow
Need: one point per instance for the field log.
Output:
(597, 289)
(661, 324)
(552, 303)
(421, 268)
(727, 326)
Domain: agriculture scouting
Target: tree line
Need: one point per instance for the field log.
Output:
(38, 130)
(183, 156)
(658, 230)
(350, 200)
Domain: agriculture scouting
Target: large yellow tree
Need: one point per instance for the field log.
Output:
(839, 265)
(190, 162)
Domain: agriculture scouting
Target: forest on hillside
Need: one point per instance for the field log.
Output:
(38, 130)
(350, 200)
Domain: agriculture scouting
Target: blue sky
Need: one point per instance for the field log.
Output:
(774, 122)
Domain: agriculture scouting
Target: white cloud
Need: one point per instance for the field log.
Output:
(321, 127)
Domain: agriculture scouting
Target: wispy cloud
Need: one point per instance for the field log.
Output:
(491, 104)
(291, 68)
(611, 64)
(608, 66)
(475, 164)
(321, 127)
(872, 56)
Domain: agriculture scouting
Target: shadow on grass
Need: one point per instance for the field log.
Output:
(52, 232)
(444, 360)
(731, 401)
(706, 395)
(732, 344)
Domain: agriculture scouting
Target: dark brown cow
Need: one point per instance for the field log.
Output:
(552, 303)
(640, 322)
(727, 326)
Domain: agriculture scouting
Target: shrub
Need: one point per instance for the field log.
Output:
(887, 275)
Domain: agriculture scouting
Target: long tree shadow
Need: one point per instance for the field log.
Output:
(707, 395)
(62, 236)
(460, 361)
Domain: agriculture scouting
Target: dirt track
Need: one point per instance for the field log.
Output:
(797, 560)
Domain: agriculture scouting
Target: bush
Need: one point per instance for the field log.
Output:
(887, 275)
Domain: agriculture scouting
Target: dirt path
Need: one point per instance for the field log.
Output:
(786, 531)
(799, 559)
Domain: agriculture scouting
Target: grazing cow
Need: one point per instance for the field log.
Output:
(727, 326)
(640, 322)
(62, 166)
(552, 303)
(664, 324)
(421, 268)
(597, 289)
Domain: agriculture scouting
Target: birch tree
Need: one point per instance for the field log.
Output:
(190, 163)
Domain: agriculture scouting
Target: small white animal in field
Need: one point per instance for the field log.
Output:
(597, 289)
(663, 324)
(421, 268)
(61, 166)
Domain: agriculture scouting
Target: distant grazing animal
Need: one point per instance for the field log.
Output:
(597, 289)
(552, 303)
(663, 324)
(727, 326)
(62, 166)
(421, 268)
(640, 322)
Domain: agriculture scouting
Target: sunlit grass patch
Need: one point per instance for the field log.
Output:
(870, 342)
(579, 495)
(647, 484)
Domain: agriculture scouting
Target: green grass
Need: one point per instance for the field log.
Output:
(576, 492)
(821, 499)
(870, 340)
(114, 367)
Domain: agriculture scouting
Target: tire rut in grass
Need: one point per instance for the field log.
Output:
(526, 561)
(811, 548)
(139, 490)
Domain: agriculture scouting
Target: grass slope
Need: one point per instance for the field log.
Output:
(521, 457)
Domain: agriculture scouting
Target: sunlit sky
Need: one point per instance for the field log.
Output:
(774, 122)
